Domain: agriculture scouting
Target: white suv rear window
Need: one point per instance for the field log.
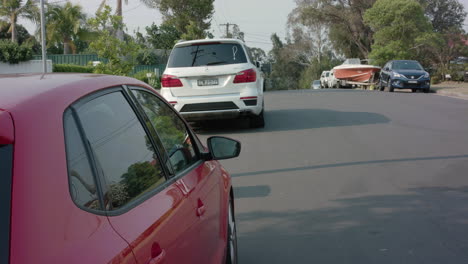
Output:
(207, 54)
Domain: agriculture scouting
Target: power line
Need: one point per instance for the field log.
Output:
(219, 28)
(56, 2)
(257, 38)
(259, 34)
(131, 9)
(224, 9)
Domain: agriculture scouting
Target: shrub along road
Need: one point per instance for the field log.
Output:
(343, 176)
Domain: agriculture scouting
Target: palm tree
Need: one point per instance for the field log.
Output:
(118, 10)
(11, 10)
(64, 23)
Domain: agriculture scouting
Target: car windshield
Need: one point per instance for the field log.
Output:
(6, 152)
(209, 54)
(407, 65)
(316, 82)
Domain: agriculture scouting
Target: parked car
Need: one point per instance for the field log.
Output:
(316, 84)
(101, 169)
(332, 81)
(324, 79)
(214, 79)
(404, 74)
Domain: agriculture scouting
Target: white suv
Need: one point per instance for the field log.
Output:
(214, 79)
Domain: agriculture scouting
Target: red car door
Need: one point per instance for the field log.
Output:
(198, 179)
(143, 205)
(207, 197)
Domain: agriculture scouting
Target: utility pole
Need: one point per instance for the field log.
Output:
(43, 40)
(227, 28)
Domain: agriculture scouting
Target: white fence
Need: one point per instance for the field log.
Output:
(32, 66)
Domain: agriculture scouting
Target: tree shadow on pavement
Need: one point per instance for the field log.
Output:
(294, 119)
(423, 225)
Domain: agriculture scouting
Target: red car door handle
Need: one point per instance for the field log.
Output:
(201, 211)
(158, 259)
(201, 208)
(157, 255)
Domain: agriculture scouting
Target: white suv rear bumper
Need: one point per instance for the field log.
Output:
(209, 107)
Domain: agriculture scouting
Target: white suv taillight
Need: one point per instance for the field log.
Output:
(170, 81)
(246, 76)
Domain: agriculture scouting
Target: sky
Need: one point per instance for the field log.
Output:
(258, 19)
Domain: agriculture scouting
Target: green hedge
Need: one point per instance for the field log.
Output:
(11, 52)
(72, 68)
(141, 75)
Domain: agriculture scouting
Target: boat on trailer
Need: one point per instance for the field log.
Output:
(353, 72)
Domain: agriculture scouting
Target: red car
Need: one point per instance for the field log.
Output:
(100, 169)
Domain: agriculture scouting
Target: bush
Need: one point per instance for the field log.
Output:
(436, 79)
(72, 68)
(457, 71)
(152, 81)
(11, 52)
(147, 57)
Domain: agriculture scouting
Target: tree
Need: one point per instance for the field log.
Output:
(309, 36)
(398, 24)
(190, 17)
(118, 12)
(448, 40)
(344, 21)
(22, 34)
(24, 38)
(64, 24)
(439, 50)
(236, 33)
(140, 177)
(258, 54)
(445, 15)
(315, 69)
(308, 49)
(121, 55)
(12, 10)
(157, 43)
(163, 37)
(11, 52)
(285, 71)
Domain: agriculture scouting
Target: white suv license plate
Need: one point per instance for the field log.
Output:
(208, 82)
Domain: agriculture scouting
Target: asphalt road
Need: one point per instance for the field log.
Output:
(341, 176)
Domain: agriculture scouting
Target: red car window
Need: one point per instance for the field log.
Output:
(171, 130)
(83, 187)
(124, 155)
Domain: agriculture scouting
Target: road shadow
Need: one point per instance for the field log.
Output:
(346, 164)
(293, 119)
(424, 225)
(252, 191)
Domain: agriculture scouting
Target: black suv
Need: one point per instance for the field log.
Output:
(404, 74)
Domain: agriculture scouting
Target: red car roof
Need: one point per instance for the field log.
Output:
(20, 89)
